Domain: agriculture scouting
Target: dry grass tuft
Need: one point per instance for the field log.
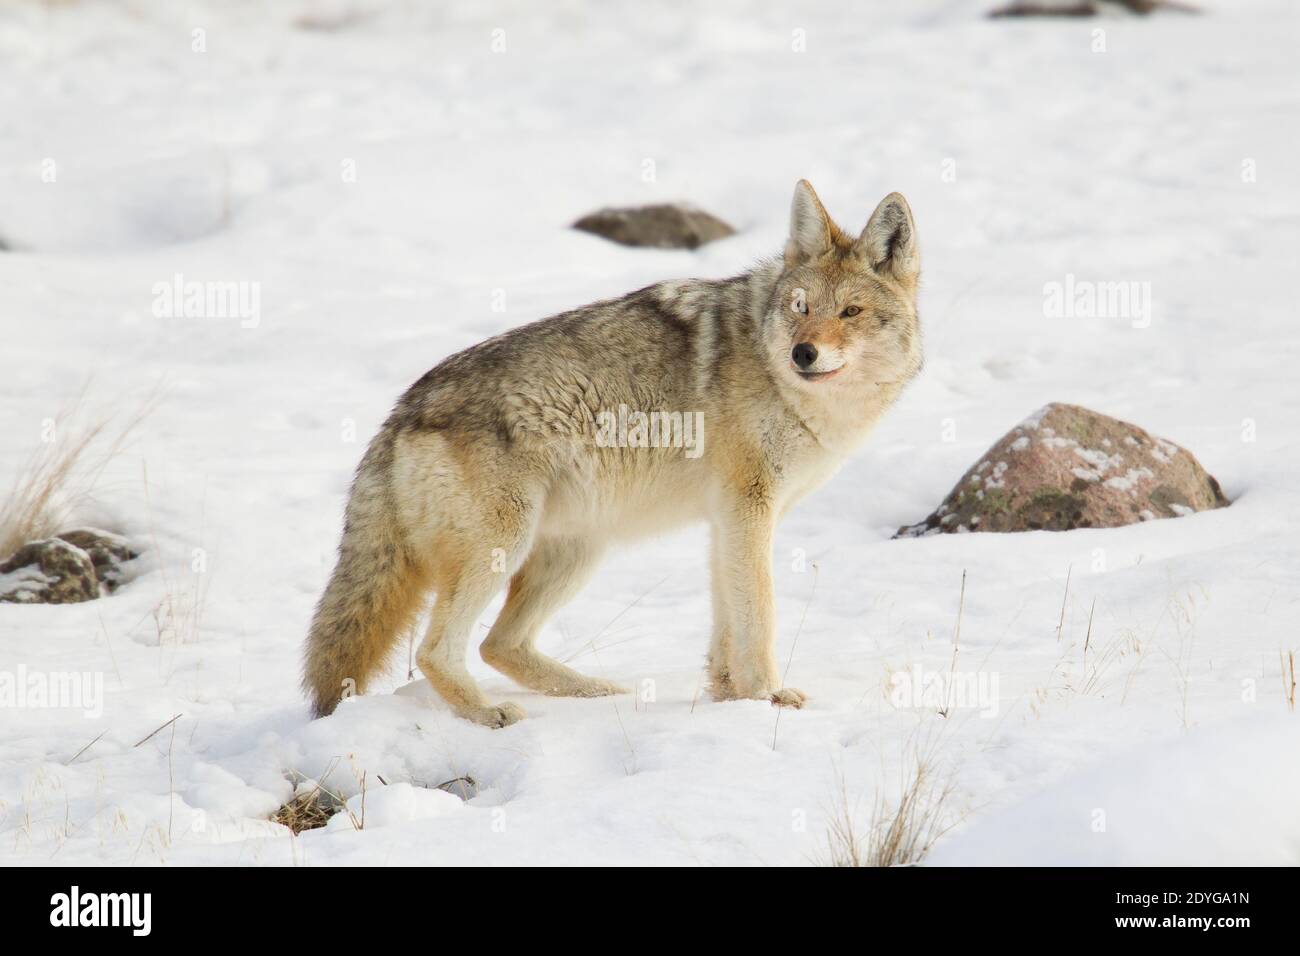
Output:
(63, 472)
(307, 811)
(312, 808)
(900, 832)
(905, 832)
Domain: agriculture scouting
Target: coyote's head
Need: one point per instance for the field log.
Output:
(844, 312)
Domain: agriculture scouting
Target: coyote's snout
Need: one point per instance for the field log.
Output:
(497, 468)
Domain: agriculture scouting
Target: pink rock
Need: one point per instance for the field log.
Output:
(1069, 467)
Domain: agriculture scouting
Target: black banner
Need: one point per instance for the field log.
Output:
(215, 905)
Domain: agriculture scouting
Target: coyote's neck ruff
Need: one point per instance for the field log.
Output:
(519, 460)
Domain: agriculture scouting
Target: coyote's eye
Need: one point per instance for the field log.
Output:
(850, 312)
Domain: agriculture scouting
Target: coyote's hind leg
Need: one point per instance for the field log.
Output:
(553, 573)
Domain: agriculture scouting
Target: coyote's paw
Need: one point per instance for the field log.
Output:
(788, 697)
(494, 717)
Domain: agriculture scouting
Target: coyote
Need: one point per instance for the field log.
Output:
(489, 469)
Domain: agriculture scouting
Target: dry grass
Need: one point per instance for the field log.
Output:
(1288, 678)
(312, 808)
(177, 615)
(899, 832)
(62, 472)
(845, 844)
(904, 832)
(1182, 611)
(307, 811)
(956, 639)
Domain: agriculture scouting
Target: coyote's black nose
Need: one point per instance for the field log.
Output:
(804, 354)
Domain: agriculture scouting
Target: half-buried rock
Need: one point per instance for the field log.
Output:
(1069, 467)
(669, 226)
(74, 566)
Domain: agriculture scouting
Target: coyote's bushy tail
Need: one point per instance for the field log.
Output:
(372, 595)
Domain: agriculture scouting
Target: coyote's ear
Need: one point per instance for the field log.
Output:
(889, 241)
(811, 230)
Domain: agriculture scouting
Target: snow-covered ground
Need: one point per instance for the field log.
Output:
(393, 175)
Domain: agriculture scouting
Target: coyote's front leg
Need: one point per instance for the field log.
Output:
(743, 534)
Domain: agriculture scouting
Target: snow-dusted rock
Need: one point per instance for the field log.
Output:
(49, 571)
(108, 552)
(668, 226)
(1069, 467)
(77, 565)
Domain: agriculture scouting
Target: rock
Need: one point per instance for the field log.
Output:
(74, 566)
(50, 571)
(1068, 467)
(668, 226)
(1086, 8)
(108, 552)
(464, 787)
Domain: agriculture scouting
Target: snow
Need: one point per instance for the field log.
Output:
(394, 805)
(1099, 459)
(1163, 452)
(1130, 812)
(23, 584)
(398, 191)
(1130, 480)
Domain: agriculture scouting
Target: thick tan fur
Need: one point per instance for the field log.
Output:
(496, 470)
